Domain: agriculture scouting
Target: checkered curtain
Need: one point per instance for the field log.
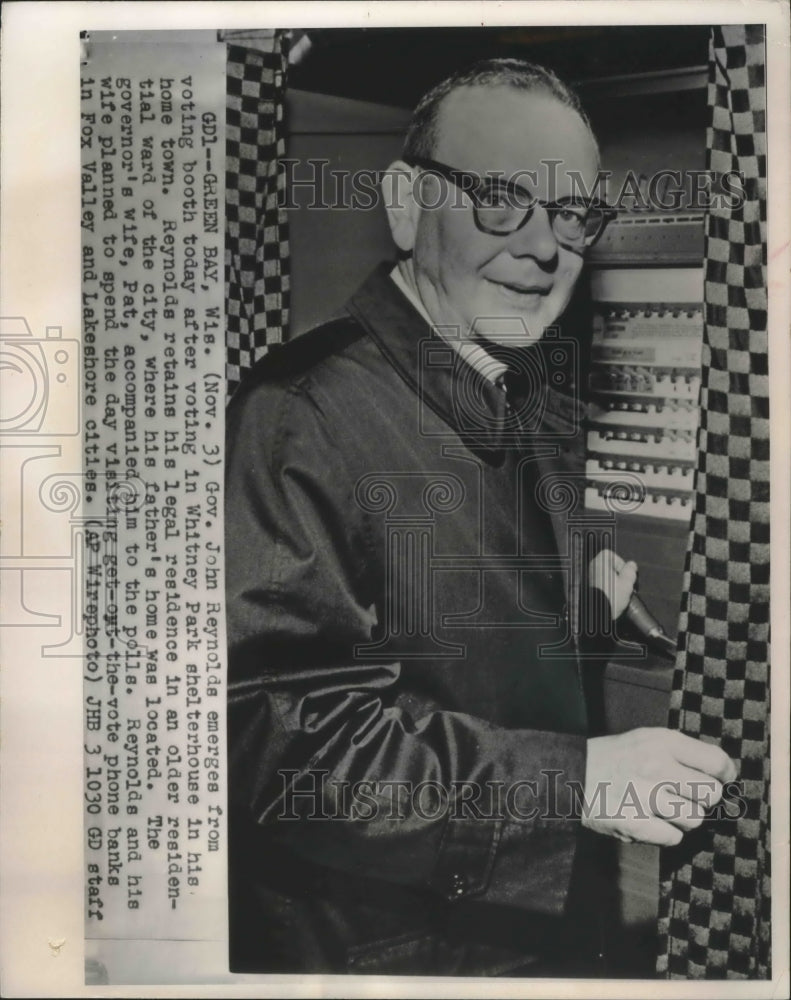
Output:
(714, 920)
(256, 228)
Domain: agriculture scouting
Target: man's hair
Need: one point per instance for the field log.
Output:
(423, 132)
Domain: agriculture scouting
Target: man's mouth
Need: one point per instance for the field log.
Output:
(521, 290)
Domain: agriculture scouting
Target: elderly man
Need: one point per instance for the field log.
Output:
(409, 764)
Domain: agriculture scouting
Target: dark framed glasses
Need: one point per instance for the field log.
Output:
(501, 207)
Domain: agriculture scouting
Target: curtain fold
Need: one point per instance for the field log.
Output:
(715, 903)
(256, 227)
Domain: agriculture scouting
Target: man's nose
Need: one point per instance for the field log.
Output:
(536, 239)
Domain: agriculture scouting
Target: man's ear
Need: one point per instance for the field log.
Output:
(403, 210)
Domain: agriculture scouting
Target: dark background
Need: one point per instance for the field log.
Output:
(397, 65)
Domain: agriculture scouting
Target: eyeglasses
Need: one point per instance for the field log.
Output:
(501, 207)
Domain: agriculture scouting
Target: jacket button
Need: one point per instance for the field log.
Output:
(458, 883)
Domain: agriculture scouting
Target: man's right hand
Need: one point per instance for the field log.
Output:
(652, 785)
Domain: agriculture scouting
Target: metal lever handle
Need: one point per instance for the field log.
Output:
(648, 626)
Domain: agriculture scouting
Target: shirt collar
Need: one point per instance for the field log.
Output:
(475, 355)
(443, 381)
(562, 415)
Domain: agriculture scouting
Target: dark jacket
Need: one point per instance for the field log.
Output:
(398, 612)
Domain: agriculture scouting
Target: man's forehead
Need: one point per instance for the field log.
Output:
(482, 128)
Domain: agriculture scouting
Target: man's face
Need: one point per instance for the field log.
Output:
(494, 284)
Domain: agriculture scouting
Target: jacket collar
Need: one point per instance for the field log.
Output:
(473, 406)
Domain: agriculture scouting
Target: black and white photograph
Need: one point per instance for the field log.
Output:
(441, 494)
(391, 473)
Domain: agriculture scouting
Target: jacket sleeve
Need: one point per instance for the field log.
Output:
(322, 750)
